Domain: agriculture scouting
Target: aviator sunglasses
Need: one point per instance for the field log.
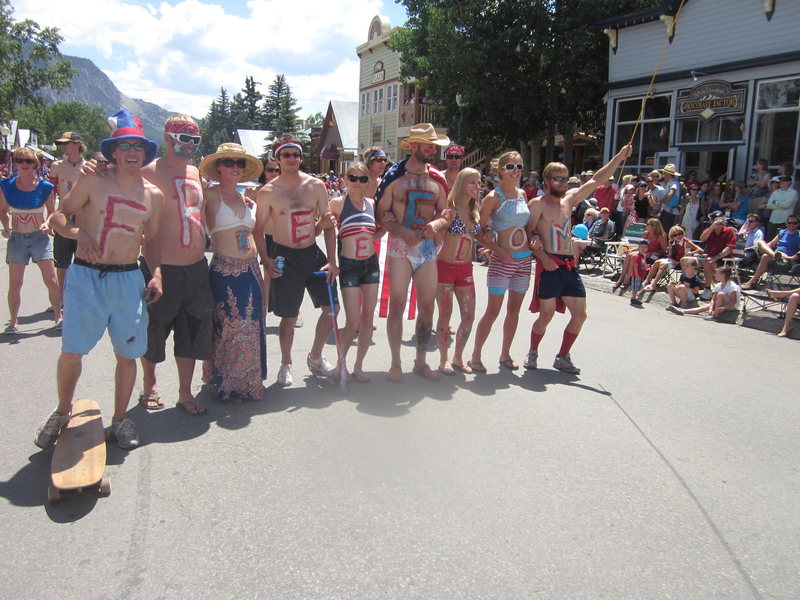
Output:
(359, 178)
(512, 167)
(233, 162)
(559, 179)
(186, 138)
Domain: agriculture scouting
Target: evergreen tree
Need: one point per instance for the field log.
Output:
(217, 127)
(280, 108)
(245, 110)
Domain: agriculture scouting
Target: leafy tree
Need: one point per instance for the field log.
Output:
(53, 119)
(280, 108)
(524, 68)
(28, 61)
(314, 120)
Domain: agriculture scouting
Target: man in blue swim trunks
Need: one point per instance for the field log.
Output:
(558, 285)
(406, 207)
(105, 288)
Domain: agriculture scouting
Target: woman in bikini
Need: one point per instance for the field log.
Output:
(505, 210)
(239, 354)
(359, 273)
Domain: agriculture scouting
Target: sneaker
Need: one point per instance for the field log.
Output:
(530, 359)
(11, 330)
(285, 375)
(564, 363)
(125, 434)
(674, 309)
(636, 302)
(299, 322)
(706, 294)
(47, 434)
(320, 366)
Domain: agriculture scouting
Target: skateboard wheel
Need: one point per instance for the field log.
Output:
(53, 494)
(105, 485)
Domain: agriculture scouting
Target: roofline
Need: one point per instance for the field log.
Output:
(669, 7)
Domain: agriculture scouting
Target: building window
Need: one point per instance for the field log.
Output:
(377, 101)
(720, 129)
(377, 135)
(653, 133)
(391, 98)
(776, 123)
(365, 104)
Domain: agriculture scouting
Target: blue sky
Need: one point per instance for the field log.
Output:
(177, 53)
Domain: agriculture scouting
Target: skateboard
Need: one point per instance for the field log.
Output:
(79, 458)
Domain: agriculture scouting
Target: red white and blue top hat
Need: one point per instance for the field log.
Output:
(124, 125)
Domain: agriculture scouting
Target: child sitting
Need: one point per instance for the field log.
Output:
(639, 269)
(689, 285)
(725, 296)
(679, 246)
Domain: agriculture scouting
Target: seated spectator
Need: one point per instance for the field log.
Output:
(679, 246)
(791, 307)
(784, 246)
(720, 241)
(657, 248)
(639, 269)
(589, 217)
(689, 285)
(602, 229)
(755, 234)
(724, 298)
(738, 203)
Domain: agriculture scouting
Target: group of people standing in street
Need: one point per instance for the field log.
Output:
(140, 227)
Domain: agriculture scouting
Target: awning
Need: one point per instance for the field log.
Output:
(329, 152)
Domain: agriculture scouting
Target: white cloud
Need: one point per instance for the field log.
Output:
(178, 54)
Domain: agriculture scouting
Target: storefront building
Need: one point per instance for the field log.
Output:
(387, 106)
(727, 91)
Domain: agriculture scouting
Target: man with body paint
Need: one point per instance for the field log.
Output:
(297, 205)
(186, 308)
(104, 288)
(558, 285)
(407, 204)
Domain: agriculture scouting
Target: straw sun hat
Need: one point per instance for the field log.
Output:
(252, 169)
(424, 133)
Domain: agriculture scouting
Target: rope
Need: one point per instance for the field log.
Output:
(650, 87)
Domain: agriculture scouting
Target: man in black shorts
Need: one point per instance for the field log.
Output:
(297, 205)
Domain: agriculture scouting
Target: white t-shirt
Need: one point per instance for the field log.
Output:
(728, 288)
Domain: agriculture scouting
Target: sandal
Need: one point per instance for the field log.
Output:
(192, 408)
(151, 401)
(462, 368)
(359, 377)
(509, 364)
(476, 366)
(447, 371)
(395, 375)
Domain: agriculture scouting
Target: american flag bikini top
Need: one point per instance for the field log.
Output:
(353, 221)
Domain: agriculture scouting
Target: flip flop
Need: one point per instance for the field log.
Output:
(462, 368)
(151, 401)
(509, 364)
(447, 371)
(476, 366)
(427, 373)
(359, 377)
(197, 409)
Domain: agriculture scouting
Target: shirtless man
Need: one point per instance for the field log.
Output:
(186, 308)
(406, 206)
(105, 288)
(64, 174)
(297, 205)
(454, 159)
(557, 275)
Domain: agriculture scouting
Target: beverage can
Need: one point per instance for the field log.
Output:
(280, 263)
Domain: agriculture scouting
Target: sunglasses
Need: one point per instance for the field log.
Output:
(272, 170)
(102, 162)
(186, 138)
(512, 167)
(383, 159)
(359, 178)
(125, 146)
(454, 156)
(752, 221)
(292, 155)
(233, 162)
(694, 189)
(25, 161)
(793, 222)
(559, 179)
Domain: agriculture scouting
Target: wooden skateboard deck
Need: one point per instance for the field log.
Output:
(79, 458)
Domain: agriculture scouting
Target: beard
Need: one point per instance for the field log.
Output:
(185, 151)
(420, 156)
(556, 193)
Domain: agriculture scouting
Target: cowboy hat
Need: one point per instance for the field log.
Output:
(424, 133)
(670, 169)
(123, 126)
(71, 136)
(252, 169)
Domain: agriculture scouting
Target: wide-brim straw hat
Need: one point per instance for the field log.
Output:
(424, 133)
(670, 169)
(252, 169)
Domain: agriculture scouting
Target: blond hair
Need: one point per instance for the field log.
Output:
(460, 190)
(358, 166)
(503, 160)
(552, 168)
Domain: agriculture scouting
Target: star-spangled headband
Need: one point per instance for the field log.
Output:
(294, 145)
(375, 154)
(182, 127)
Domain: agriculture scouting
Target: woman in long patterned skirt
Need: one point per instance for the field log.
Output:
(239, 361)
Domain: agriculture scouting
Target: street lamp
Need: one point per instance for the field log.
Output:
(462, 103)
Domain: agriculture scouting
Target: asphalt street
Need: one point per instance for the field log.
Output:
(670, 468)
